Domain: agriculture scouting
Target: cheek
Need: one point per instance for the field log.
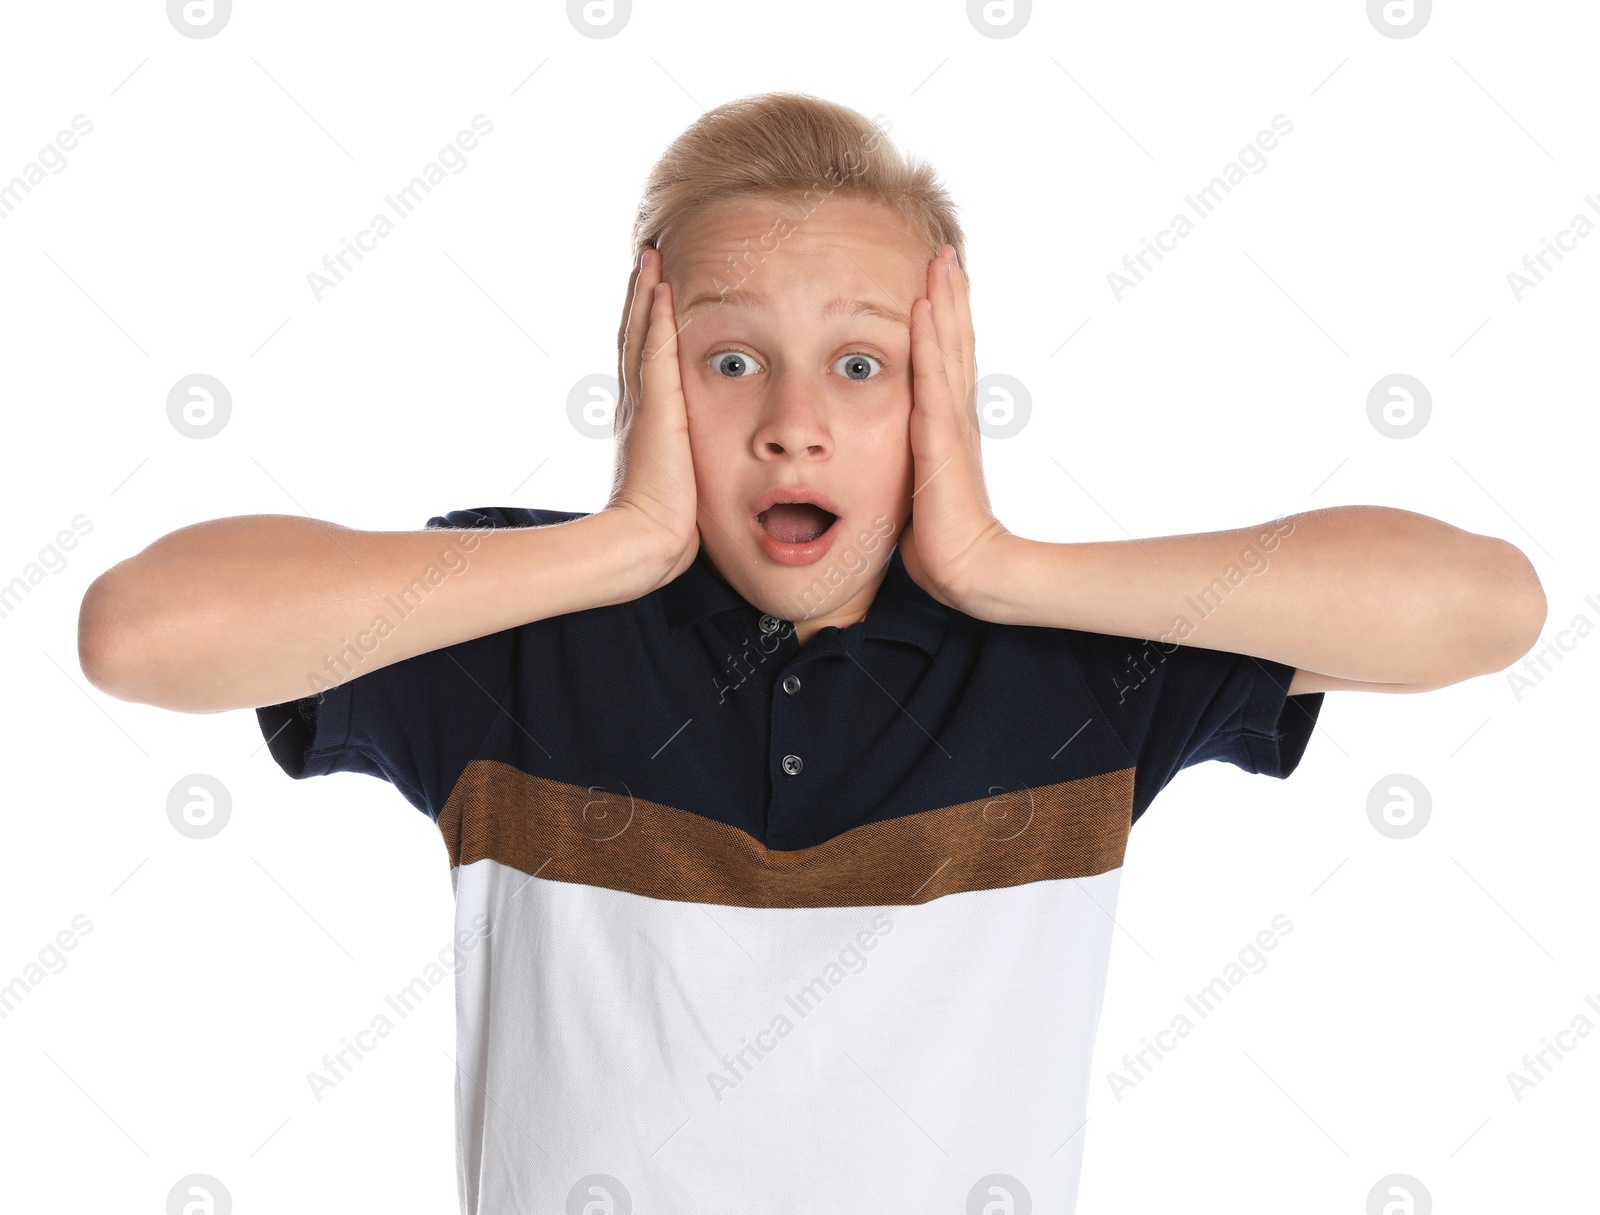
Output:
(700, 412)
(887, 437)
(712, 448)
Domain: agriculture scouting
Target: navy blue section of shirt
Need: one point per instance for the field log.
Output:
(682, 697)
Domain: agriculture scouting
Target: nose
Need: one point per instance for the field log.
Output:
(794, 417)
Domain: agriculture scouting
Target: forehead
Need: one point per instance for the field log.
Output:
(830, 254)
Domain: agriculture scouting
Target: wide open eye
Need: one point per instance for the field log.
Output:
(853, 364)
(732, 364)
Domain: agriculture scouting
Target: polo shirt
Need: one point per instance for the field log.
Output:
(745, 926)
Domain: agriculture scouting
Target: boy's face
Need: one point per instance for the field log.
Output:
(781, 396)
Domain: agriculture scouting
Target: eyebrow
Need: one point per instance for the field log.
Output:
(747, 298)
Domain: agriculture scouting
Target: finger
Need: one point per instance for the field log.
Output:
(930, 383)
(929, 283)
(642, 284)
(947, 326)
(662, 384)
(969, 341)
(619, 417)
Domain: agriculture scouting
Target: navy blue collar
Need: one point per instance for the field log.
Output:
(901, 611)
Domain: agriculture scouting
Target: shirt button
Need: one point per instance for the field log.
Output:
(791, 684)
(792, 764)
(769, 623)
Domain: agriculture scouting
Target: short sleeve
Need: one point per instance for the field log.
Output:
(1173, 706)
(415, 723)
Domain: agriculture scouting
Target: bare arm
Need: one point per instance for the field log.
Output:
(1365, 597)
(259, 609)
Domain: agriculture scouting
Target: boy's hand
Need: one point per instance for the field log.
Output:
(653, 480)
(952, 544)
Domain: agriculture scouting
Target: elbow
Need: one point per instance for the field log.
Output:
(133, 646)
(1496, 610)
(1523, 609)
(104, 648)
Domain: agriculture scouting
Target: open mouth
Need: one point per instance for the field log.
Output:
(795, 522)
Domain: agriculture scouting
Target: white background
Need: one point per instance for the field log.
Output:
(1228, 388)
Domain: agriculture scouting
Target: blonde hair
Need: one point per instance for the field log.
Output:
(791, 147)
